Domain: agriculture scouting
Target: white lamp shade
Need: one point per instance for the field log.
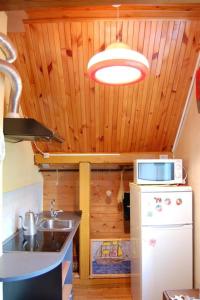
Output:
(118, 65)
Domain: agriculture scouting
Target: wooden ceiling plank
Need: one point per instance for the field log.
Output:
(30, 52)
(154, 85)
(66, 105)
(51, 79)
(109, 92)
(167, 65)
(89, 104)
(155, 37)
(107, 88)
(102, 46)
(76, 100)
(32, 46)
(115, 95)
(125, 33)
(179, 98)
(112, 99)
(154, 110)
(106, 116)
(139, 103)
(114, 119)
(134, 94)
(119, 116)
(149, 40)
(123, 128)
(95, 88)
(34, 33)
(70, 57)
(61, 103)
(81, 67)
(150, 82)
(129, 92)
(143, 85)
(119, 25)
(91, 97)
(44, 79)
(111, 105)
(68, 81)
(174, 74)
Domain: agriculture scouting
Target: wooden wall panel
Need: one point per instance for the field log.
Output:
(106, 218)
(63, 187)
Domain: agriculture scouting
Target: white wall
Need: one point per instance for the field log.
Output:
(18, 167)
(22, 185)
(188, 148)
(17, 202)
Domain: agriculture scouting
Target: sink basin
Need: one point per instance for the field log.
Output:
(55, 225)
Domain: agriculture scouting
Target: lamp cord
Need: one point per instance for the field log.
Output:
(117, 6)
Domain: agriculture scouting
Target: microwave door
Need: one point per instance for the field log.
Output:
(156, 171)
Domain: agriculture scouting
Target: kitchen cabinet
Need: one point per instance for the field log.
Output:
(55, 284)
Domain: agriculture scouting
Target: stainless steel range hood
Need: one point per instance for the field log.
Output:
(18, 129)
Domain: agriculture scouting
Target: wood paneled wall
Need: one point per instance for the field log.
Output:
(106, 219)
(63, 187)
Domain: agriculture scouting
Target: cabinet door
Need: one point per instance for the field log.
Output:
(44, 287)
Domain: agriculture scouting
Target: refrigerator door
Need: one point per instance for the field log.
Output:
(166, 208)
(166, 260)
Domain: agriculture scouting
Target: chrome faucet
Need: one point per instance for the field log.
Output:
(54, 212)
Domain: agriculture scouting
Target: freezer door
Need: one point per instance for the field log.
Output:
(166, 208)
(166, 260)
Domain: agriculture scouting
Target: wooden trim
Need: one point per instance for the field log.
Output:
(122, 158)
(108, 13)
(84, 230)
(164, 5)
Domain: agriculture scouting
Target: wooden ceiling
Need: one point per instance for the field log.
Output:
(53, 54)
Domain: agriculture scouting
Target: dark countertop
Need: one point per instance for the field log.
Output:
(18, 265)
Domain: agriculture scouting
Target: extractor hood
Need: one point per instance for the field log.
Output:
(18, 129)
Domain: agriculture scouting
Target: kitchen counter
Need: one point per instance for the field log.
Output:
(18, 265)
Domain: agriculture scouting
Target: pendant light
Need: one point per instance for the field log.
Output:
(118, 64)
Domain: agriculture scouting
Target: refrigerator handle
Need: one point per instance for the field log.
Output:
(167, 226)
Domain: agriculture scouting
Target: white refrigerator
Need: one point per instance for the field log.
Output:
(161, 240)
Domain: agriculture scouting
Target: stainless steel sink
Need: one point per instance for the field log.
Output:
(55, 225)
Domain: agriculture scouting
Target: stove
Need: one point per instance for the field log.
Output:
(43, 241)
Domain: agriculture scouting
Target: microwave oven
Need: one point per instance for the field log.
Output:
(158, 171)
